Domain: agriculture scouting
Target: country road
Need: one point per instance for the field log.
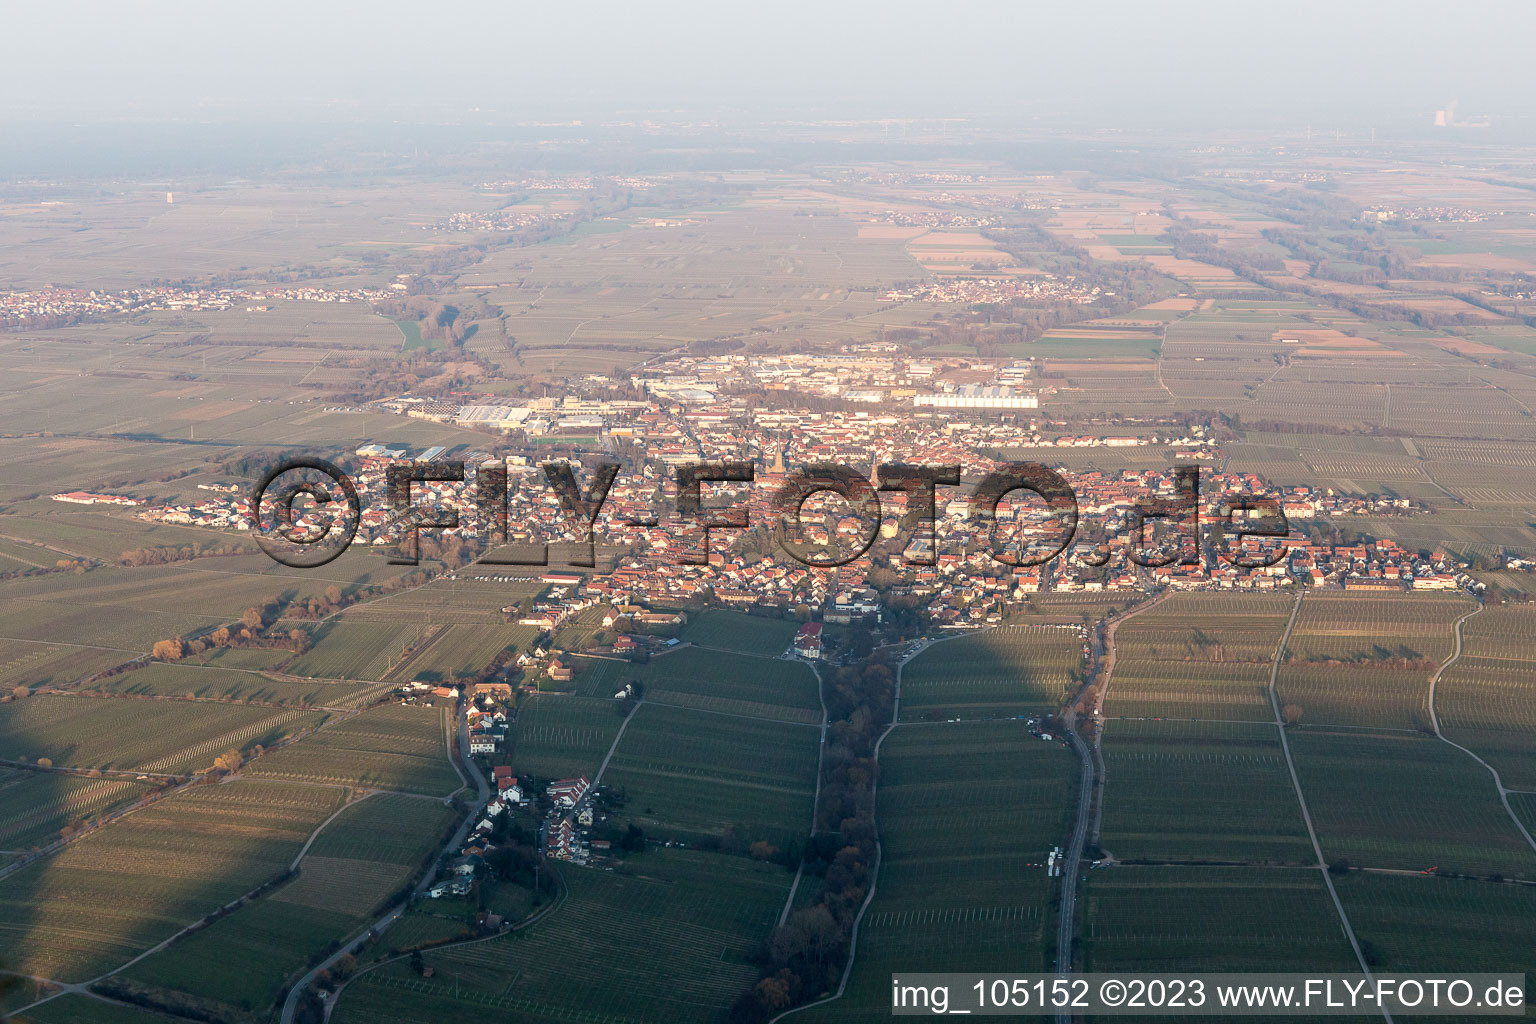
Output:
(1090, 796)
(482, 797)
(1301, 797)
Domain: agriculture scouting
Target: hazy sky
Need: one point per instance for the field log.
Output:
(1106, 62)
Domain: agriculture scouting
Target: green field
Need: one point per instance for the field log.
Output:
(356, 863)
(232, 686)
(1078, 347)
(695, 916)
(1200, 791)
(100, 901)
(994, 673)
(691, 773)
(1198, 656)
(983, 903)
(394, 747)
(744, 634)
(557, 736)
(457, 652)
(147, 735)
(34, 806)
(1485, 700)
(1406, 801)
(78, 1009)
(1212, 919)
(712, 680)
(352, 649)
(1367, 660)
(1478, 926)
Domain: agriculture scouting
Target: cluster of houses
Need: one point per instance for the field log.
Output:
(563, 836)
(92, 498)
(471, 855)
(487, 718)
(56, 307)
(695, 409)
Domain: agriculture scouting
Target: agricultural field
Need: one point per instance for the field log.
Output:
(1198, 656)
(1199, 791)
(1011, 670)
(1485, 700)
(698, 917)
(423, 924)
(692, 773)
(234, 686)
(101, 900)
(147, 735)
(1478, 926)
(34, 806)
(39, 663)
(458, 652)
(474, 595)
(203, 588)
(78, 1009)
(740, 633)
(360, 859)
(356, 649)
(1366, 660)
(558, 736)
(1406, 801)
(984, 904)
(395, 746)
(1211, 919)
(712, 680)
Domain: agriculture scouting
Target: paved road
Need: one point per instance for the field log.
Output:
(1066, 919)
(1090, 795)
(482, 797)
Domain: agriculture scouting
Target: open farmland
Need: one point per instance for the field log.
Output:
(148, 735)
(985, 904)
(557, 736)
(34, 806)
(1198, 656)
(39, 663)
(359, 860)
(1486, 701)
(698, 917)
(714, 681)
(100, 901)
(351, 649)
(692, 773)
(740, 633)
(1199, 791)
(390, 747)
(999, 672)
(1406, 801)
(1478, 926)
(1212, 919)
(457, 651)
(1366, 660)
(79, 1009)
(233, 686)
